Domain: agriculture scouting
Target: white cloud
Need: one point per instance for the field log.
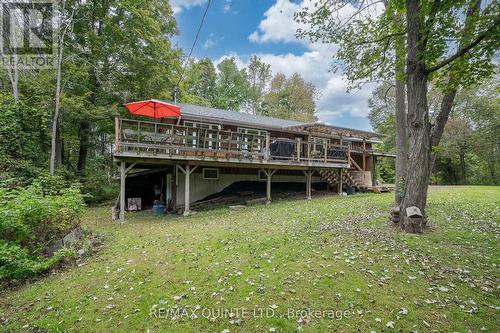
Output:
(226, 8)
(210, 42)
(180, 5)
(279, 26)
(239, 63)
(314, 66)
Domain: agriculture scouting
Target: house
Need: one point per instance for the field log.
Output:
(184, 159)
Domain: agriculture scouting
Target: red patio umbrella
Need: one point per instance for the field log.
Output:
(154, 109)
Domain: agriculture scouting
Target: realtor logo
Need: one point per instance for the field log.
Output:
(28, 33)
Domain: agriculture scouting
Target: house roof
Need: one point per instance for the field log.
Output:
(204, 113)
(347, 133)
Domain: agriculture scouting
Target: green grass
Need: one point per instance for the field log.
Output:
(329, 254)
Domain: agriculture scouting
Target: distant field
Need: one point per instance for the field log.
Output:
(326, 265)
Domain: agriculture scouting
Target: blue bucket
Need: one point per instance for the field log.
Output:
(158, 210)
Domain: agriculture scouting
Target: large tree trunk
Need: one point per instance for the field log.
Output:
(84, 130)
(84, 138)
(418, 173)
(401, 126)
(55, 120)
(13, 73)
(55, 151)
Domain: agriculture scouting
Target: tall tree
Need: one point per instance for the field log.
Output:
(442, 38)
(232, 86)
(429, 30)
(201, 82)
(290, 98)
(259, 75)
(63, 28)
(401, 123)
(125, 48)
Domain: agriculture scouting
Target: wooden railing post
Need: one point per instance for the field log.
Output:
(325, 148)
(138, 132)
(268, 146)
(298, 143)
(117, 134)
(348, 153)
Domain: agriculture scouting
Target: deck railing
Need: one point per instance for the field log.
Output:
(160, 139)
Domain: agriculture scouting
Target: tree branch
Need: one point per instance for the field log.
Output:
(430, 22)
(467, 48)
(386, 37)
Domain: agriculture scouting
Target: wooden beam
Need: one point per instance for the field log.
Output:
(269, 174)
(122, 192)
(159, 159)
(268, 189)
(192, 169)
(187, 176)
(117, 134)
(364, 161)
(130, 167)
(325, 148)
(340, 182)
(308, 174)
(355, 164)
(268, 146)
(181, 168)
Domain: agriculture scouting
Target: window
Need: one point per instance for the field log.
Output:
(199, 135)
(210, 173)
(253, 139)
(319, 144)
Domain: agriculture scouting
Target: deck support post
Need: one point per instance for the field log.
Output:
(308, 174)
(268, 147)
(122, 191)
(187, 177)
(364, 162)
(269, 174)
(340, 182)
(187, 171)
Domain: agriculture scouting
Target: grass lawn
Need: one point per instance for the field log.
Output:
(325, 265)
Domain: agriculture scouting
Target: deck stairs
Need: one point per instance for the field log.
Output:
(351, 178)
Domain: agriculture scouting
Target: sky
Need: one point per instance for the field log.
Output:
(266, 28)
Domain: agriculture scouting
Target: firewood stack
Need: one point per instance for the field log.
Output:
(395, 214)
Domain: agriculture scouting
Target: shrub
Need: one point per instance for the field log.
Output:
(33, 217)
(17, 263)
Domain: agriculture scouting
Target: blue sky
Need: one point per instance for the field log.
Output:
(241, 28)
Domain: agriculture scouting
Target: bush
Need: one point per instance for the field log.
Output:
(17, 263)
(98, 190)
(32, 218)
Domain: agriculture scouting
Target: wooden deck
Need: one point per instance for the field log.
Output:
(163, 143)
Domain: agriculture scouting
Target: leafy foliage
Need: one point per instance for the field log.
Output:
(232, 86)
(32, 218)
(17, 263)
(291, 98)
(467, 153)
(249, 90)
